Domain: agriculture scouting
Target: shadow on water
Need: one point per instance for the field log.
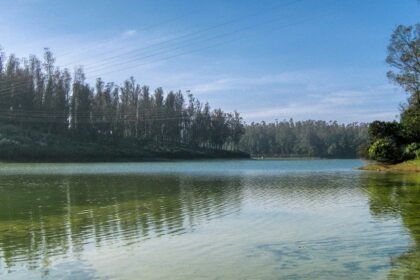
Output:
(398, 196)
(63, 215)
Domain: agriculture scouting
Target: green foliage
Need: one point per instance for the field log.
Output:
(410, 122)
(19, 144)
(363, 150)
(385, 150)
(305, 139)
(37, 96)
(412, 151)
(380, 129)
(389, 138)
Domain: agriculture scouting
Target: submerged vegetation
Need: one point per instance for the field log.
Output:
(58, 214)
(395, 142)
(47, 113)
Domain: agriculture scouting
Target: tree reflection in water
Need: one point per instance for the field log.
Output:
(45, 218)
(398, 196)
(55, 215)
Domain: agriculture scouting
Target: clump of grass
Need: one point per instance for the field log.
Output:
(409, 166)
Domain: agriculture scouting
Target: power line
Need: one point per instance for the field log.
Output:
(205, 30)
(194, 50)
(153, 26)
(166, 49)
(216, 26)
(16, 87)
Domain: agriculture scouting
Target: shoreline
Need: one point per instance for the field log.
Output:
(412, 166)
(298, 158)
(156, 159)
(129, 159)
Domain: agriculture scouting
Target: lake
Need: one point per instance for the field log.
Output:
(249, 219)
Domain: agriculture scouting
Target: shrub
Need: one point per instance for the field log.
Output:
(410, 121)
(363, 151)
(412, 151)
(380, 130)
(385, 150)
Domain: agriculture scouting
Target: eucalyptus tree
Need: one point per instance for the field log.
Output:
(81, 101)
(38, 95)
(305, 139)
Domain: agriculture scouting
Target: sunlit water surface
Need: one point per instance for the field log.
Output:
(294, 219)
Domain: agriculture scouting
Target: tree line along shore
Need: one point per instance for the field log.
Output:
(395, 146)
(50, 114)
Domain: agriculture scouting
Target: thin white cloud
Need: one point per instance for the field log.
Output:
(301, 94)
(130, 33)
(244, 82)
(320, 111)
(214, 86)
(365, 104)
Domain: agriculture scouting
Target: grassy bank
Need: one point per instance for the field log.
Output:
(407, 166)
(19, 145)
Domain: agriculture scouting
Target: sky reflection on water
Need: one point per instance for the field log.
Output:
(247, 219)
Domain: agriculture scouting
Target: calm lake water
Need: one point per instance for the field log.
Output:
(291, 219)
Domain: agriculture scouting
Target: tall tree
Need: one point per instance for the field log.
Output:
(38, 95)
(404, 56)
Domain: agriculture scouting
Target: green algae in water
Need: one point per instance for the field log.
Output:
(317, 219)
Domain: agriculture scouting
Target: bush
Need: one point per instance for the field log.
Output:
(410, 121)
(385, 150)
(412, 151)
(363, 151)
(380, 130)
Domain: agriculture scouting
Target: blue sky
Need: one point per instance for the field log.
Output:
(268, 59)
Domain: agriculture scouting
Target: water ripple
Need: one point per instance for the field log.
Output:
(254, 221)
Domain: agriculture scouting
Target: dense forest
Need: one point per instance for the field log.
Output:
(36, 95)
(305, 139)
(393, 142)
(48, 113)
